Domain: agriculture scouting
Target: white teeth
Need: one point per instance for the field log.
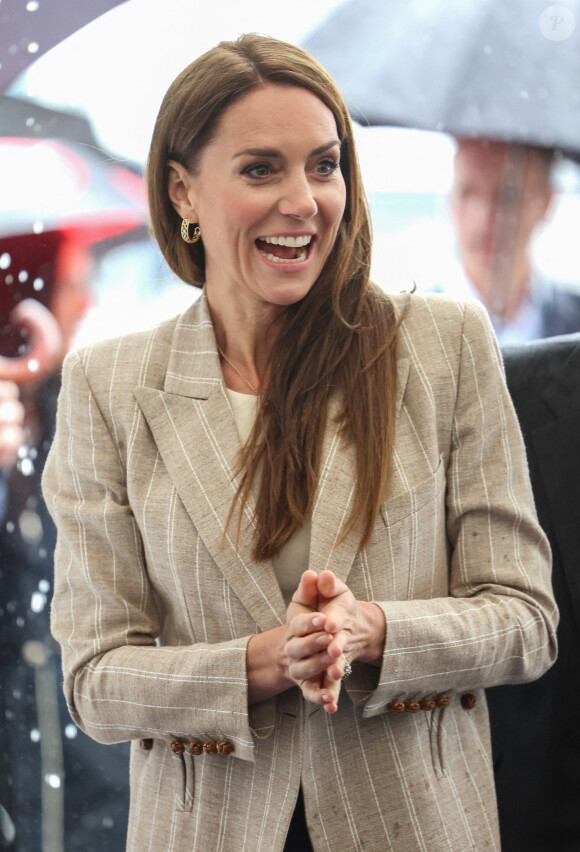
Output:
(290, 242)
(301, 256)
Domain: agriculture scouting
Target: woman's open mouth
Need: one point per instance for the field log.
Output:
(285, 249)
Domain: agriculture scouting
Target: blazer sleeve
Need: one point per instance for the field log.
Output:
(498, 623)
(118, 682)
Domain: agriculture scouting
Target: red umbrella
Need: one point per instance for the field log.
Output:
(30, 340)
(50, 185)
(53, 194)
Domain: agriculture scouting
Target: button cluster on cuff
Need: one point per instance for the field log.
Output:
(195, 747)
(468, 701)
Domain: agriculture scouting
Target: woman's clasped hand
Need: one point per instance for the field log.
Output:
(327, 628)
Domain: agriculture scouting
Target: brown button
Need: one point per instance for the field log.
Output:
(396, 706)
(224, 747)
(441, 701)
(427, 704)
(194, 747)
(468, 701)
(412, 706)
(177, 747)
(146, 745)
(210, 747)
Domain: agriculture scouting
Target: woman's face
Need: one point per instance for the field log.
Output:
(268, 195)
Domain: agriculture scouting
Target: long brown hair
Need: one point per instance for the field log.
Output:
(338, 342)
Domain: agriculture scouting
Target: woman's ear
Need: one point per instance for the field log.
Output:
(180, 190)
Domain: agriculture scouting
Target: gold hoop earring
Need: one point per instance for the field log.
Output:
(185, 223)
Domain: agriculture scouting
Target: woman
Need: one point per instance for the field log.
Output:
(293, 418)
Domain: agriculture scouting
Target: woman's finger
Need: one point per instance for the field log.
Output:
(307, 622)
(310, 667)
(322, 691)
(329, 586)
(299, 647)
(307, 592)
(336, 669)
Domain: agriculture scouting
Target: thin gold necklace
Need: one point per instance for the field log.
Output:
(235, 369)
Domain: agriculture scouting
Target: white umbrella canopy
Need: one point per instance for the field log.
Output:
(29, 28)
(118, 68)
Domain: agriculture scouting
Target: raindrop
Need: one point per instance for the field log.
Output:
(38, 227)
(10, 527)
(9, 279)
(42, 554)
(33, 47)
(26, 466)
(20, 621)
(524, 94)
(23, 276)
(35, 653)
(37, 602)
(17, 694)
(11, 605)
(108, 822)
(38, 284)
(32, 6)
(44, 586)
(22, 451)
(29, 121)
(53, 780)
(71, 731)
(35, 735)
(5, 260)
(33, 365)
(33, 453)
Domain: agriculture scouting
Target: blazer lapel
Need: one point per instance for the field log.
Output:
(335, 495)
(194, 429)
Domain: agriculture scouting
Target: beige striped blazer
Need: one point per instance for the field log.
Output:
(153, 607)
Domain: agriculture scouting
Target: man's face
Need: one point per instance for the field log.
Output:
(500, 195)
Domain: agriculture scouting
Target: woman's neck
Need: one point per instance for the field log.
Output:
(245, 335)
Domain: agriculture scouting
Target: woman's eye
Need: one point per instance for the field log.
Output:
(327, 166)
(257, 170)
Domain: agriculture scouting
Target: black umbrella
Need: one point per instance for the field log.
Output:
(501, 70)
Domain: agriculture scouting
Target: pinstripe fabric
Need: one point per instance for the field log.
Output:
(153, 607)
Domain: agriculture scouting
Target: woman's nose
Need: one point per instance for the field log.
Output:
(298, 200)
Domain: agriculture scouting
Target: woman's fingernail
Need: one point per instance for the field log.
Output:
(317, 621)
(326, 697)
(322, 640)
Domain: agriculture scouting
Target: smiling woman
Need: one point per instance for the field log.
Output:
(225, 558)
(269, 197)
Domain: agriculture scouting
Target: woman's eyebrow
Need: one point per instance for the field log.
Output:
(274, 153)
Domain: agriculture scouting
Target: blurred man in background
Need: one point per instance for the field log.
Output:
(501, 195)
